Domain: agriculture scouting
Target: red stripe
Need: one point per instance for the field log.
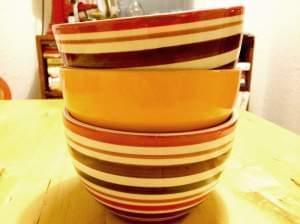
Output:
(147, 21)
(149, 216)
(150, 208)
(147, 219)
(156, 140)
(151, 35)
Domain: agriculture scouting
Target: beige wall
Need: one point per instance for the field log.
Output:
(276, 76)
(276, 83)
(18, 64)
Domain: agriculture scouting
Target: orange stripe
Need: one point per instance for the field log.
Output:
(150, 36)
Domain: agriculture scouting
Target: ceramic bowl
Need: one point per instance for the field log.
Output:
(202, 39)
(147, 176)
(150, 100)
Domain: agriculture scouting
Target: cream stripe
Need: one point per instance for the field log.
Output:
(146, 44)
(150, 204)
(148, 182)
(148, 212)
(151, 162)
(134, 32)
(152, 196)
(136, 150)
(204, 63)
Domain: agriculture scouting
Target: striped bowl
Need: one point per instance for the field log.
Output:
(149, 177)
(150, 100)
(202, 39)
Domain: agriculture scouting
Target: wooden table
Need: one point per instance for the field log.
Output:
(38, 184)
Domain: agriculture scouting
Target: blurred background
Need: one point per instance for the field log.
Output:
(275, 92)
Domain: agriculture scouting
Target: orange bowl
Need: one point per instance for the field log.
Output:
(150, 100)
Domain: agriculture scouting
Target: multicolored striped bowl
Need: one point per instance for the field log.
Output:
(149, 177)
(201, 39)
(150, 100)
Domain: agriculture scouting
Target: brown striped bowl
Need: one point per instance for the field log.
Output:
(202, 39)
(149, 177)
(150, 100)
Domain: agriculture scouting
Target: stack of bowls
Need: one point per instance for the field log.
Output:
(149, 112)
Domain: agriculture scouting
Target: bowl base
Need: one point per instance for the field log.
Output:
(145, 218)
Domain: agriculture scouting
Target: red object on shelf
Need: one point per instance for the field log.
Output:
(59, 13)
(61, 9)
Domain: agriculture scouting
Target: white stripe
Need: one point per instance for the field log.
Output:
(152, 161)
(203, 63)
(138, 150)
(148, 182)
(148, 30)
(149, 204)
(149, 212)
(147, 44)
(150, 196)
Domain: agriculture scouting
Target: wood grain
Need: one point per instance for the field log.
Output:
(40, 186)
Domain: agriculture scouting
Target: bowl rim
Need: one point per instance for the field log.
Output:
(231, 121)
(69, 68)
(145, 18)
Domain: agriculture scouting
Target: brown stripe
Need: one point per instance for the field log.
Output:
(136, 156)
(150, 36)
(145, 190)
(149, 140)
(153, 57)
(147, 21)
(140, 200)
(148, 171)
(145, 208)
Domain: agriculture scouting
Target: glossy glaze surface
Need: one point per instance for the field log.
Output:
(203, 39)
(147, 176)
(150, 100)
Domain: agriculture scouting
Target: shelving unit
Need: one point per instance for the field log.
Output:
(246, 65)
(47, 49)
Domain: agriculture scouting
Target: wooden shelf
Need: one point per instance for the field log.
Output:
(246, 60)
(46, 48)
(53, 94)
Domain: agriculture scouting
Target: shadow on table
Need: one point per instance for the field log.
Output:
(69, 203)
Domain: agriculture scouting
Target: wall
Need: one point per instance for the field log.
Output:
(275, 91)
(276, 83)
(18, 63)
